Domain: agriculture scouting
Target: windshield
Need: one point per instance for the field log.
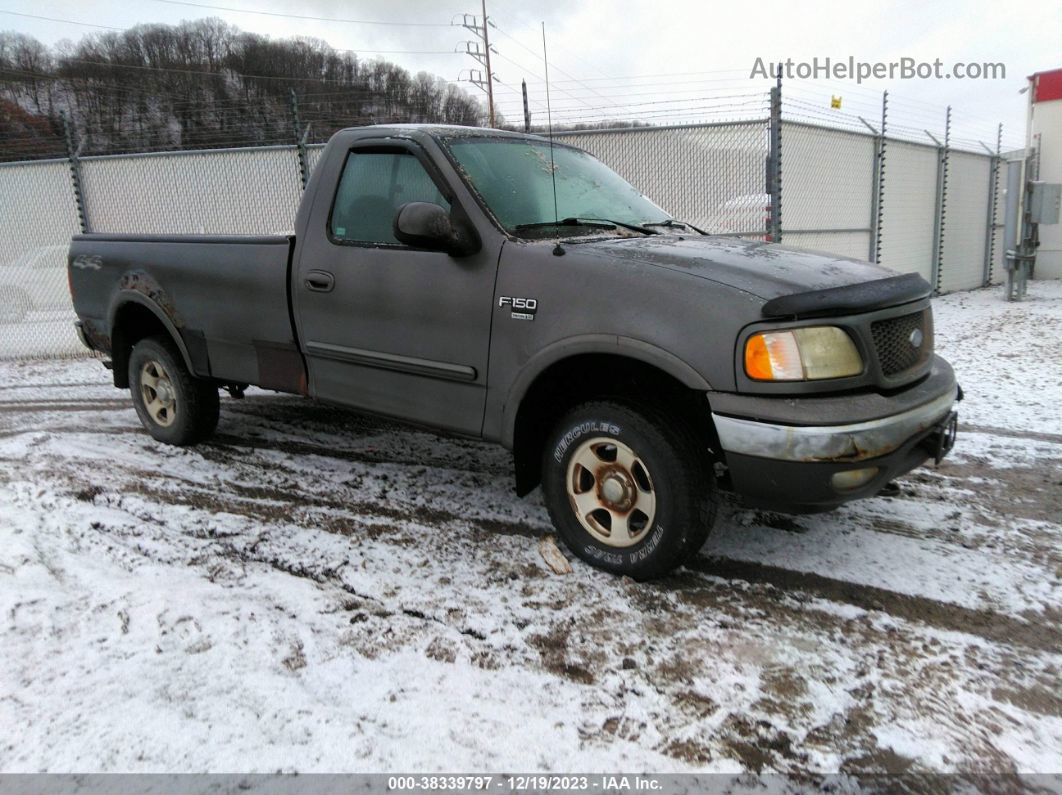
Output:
(513, 177)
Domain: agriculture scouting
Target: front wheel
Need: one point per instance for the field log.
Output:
(173, 405)
(628, 489)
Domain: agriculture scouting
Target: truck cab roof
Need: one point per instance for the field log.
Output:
(441, 131)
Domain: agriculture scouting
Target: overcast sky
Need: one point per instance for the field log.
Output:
(690, 59)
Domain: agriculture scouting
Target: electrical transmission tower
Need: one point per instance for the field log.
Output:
(479, 50)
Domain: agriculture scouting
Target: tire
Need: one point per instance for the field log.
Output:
(173, 405)
(629, 489)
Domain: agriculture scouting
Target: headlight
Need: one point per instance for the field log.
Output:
(802, 354)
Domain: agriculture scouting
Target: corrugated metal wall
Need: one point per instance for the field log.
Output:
(909, 208)
(827, 189)
(965, 222)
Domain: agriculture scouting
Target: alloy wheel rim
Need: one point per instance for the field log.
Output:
(158, 393)
(611, 492)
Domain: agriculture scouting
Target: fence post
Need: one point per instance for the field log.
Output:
(300, 138)
(993, 190)
(878, 199)
(72, 155)
(774, 163)
(942, 202)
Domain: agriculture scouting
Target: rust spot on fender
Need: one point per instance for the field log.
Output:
(143, 283)
(97, 335)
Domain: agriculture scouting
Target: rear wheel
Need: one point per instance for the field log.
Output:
(173, 405)
(628, 489)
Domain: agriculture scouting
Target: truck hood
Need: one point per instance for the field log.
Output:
(761, 269)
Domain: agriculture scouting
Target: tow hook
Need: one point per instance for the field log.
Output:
(890, 489)
(236, 390)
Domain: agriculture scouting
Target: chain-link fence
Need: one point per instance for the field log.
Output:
(235, 191)
(913, 207)
(827, 190)
(909, 208)
(709, 175)
(963, 264)
(38, 218)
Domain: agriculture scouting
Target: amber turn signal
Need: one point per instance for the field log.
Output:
(802, 354)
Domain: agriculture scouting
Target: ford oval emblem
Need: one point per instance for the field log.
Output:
(916, 338)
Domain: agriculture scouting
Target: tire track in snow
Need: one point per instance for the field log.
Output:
(1044, 634)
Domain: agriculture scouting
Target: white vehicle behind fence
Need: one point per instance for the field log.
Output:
(32, 283)
(743, 214)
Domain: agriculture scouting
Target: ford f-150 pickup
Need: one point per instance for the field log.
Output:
(513, 289)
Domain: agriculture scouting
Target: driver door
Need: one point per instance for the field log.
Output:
(386, 327)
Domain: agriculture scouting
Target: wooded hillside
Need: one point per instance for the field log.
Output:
(202, 84)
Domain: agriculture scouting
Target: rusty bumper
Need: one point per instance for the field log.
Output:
(808, 468)
(855, 442)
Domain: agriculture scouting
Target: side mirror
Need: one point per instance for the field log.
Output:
(427, 225)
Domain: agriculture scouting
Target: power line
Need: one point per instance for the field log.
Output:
(687, 114)
(688, 94)
(514, 63)
(306, 16)
(655, 74)
(518, 91)
(55, 19)
(521, 44)
(335, 49)
(758, 97)
(578, 58)
(224, 73)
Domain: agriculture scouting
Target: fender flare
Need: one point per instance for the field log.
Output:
(125, 297)
(611, 344)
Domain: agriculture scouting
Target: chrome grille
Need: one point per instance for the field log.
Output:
(895, 337)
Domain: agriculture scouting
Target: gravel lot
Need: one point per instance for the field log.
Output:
(318, 591)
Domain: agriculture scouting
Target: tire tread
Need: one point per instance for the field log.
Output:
(694, 465)
(202, 403)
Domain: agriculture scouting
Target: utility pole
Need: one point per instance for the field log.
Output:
(490, 77)
(482, 55)
(527, 112)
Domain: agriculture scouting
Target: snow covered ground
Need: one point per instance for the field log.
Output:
(317, 591)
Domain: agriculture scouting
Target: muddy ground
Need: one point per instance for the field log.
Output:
(316, 590)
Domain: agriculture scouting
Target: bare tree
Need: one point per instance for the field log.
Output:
(202, 84)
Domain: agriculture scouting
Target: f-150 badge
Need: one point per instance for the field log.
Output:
(522, 308)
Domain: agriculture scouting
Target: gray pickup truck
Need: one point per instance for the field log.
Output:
(503, 287)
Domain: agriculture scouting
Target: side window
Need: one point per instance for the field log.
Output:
(372, 188)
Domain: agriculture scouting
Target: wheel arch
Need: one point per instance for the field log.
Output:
(575, 371)
(133, 317)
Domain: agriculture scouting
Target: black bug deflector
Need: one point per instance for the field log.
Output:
(851, 298)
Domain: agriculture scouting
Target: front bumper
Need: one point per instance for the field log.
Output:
(792, 467)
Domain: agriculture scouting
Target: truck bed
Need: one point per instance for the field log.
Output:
(226, 296)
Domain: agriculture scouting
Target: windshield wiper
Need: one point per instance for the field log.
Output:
(591, 223)
(671, 222)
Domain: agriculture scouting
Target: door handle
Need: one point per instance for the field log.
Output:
(319, 281)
